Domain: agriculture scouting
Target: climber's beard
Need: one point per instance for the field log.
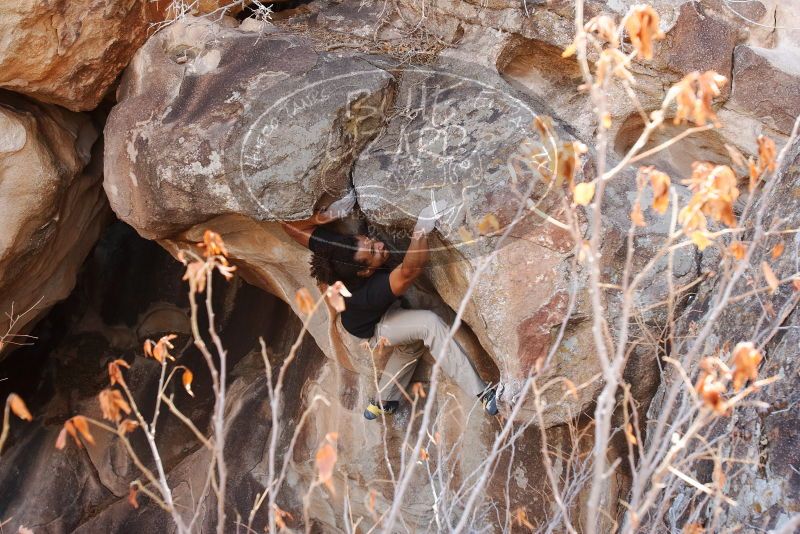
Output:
(372, 253)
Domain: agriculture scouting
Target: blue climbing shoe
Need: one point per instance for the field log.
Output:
(375, 410)
(489, 400)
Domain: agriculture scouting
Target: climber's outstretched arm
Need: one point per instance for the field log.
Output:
(418, 253)
(301, 231)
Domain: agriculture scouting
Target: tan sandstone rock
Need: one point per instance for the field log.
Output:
(69, 53)
(766, 85)
(52, 206)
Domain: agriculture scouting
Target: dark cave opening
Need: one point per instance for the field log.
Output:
(128, 290)
(286, 7)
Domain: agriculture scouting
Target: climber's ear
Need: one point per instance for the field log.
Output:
(365, 273)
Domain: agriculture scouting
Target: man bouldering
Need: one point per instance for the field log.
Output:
(373, 311)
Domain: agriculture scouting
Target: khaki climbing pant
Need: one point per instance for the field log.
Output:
(409, 333)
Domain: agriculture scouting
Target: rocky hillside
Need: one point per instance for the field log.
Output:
(127, 135)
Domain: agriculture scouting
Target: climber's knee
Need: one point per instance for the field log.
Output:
(434, 326)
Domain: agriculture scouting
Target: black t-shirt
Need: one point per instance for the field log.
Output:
(369, 302)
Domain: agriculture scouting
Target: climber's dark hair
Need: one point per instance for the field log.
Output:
(337, 262)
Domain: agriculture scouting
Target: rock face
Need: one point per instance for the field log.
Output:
(229, 169)
(449, 141)
(238, 140)
(69, 53)
(125, 287)
(764, 84)
(233, 128)
(52, 207)
(461, 128)
(248, 114)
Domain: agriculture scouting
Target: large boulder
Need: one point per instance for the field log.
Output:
(262, 127)
(765, 85)
(462, 128)
(245, 116)
(69, 53)
(53, 207)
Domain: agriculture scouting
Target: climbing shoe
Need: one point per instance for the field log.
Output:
(375, 410)
(489, 400)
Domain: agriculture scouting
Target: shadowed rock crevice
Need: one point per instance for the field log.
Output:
(677, 159)
(53, 209)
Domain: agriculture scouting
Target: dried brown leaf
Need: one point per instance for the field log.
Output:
(521, 518)
(766, 153)
(629, 434)
(777, 250)
(637, 217)
(711, 390)
(700, 239)
(304, 301)
(738, 250)
(132, 497)
(61, 441)
(769, 276)
(746, 359)
(583, 194)
(568, 161)
(213, 244)
(196, 274)
(325, 461)
(161, 348)
(18, 407)
(336, 294)
(755, 174)
(605, 120)
(187, 381)
(660, 182)
(605, 28)
(112, 404)
(127, 426)
(280, 515)
(225, 269)
(488, 224)
(82, 425)
(642, 25)
(694, 96)
(115, 371)
(715, 191)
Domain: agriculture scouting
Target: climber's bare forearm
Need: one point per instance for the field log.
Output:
(417, 254)
(414, 262)
(301, 231)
